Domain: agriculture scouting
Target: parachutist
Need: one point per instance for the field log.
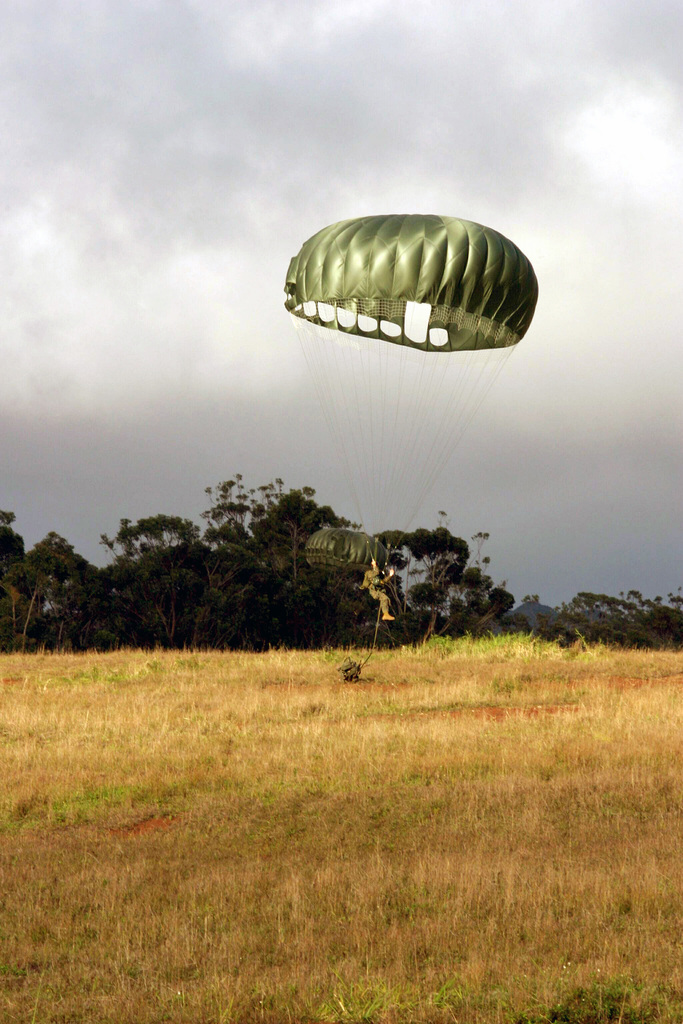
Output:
(375, 582)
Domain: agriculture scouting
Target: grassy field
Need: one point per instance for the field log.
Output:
(475, 832)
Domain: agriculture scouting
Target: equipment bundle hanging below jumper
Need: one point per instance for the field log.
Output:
(350, 670)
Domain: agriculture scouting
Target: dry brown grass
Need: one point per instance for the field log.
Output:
(233, 837)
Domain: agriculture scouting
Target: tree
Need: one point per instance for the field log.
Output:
(11, 552)
(479, 602)
(232, 612)
(453, 594)
(157, 580)
(52, 595)
(260, 586)
(629, 620)
(438, 562)
(282, 522)
(11, 544)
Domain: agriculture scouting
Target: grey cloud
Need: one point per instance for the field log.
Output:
(164, 160)
(565, 511)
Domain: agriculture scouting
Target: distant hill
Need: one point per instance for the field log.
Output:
(530, 610)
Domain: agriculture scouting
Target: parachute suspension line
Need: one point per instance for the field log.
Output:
(475, 380)
(443, 384)
(364, 385)
(422, 386)
(349, 388)
(407, 394)
(324, 384)
(470, 379)
(374, 643)
(421, 393)
(380, 435)
(394, 413)
(402, 448)
(402, 416)
(357, 444)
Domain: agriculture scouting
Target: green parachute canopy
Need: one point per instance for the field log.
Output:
(405, 322)
(345, 549)
(438, 284)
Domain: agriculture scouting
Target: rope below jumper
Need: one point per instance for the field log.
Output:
(351, 669)
(374, 640)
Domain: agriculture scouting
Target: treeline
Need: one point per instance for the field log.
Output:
(629, 620)
(241, 581)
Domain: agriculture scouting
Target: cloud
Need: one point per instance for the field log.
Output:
(163, 161)
(626, 140)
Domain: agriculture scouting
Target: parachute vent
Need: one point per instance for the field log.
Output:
(444, 329)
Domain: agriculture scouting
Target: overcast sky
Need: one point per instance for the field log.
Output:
(162, 161)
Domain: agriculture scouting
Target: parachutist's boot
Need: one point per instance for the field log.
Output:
(388, 617)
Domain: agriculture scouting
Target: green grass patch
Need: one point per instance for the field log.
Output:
(619, 1000)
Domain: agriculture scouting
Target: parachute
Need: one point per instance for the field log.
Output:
(405, 321)
(345, 549)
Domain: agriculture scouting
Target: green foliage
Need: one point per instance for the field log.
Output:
(500, 645)
(156, 579)
(361, 1003)
(11, 544)
(620, 1001)
(452, 594)
(52, 598)
(629, 620)
(243, 582)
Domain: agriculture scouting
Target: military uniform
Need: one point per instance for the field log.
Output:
(375, 582)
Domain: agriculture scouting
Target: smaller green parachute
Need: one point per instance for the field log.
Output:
(345, 549)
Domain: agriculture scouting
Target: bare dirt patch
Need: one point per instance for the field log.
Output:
(495, 712)
(140, 828)
(635, 682)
